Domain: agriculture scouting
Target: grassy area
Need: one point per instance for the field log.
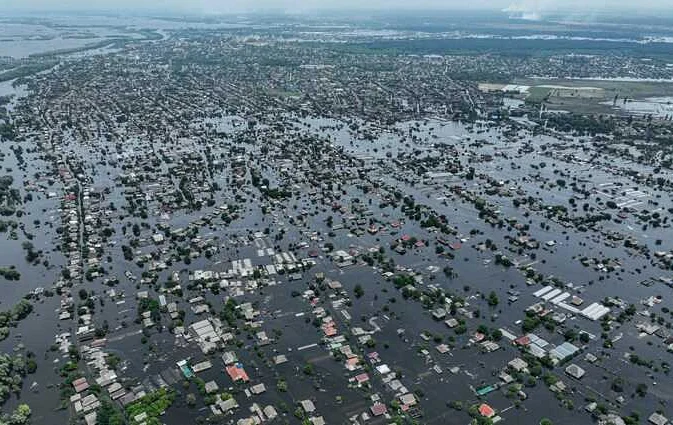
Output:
(537, 94)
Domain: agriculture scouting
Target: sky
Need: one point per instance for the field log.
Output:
(236, 6)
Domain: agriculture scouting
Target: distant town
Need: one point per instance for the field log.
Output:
(318, 220)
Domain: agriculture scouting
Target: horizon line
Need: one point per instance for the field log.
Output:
(653, 11)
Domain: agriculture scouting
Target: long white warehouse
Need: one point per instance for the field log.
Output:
(541, 292)
(549, 295)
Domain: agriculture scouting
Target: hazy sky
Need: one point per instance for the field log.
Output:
(223, 6)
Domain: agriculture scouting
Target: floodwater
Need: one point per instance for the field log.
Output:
(655, 106)
(7, 88)
(279, 309)
(21, 40)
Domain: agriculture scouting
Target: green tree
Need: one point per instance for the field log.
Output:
(21, 416)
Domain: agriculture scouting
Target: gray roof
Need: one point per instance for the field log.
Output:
(575, 371)
(657, 419)
(564, 351)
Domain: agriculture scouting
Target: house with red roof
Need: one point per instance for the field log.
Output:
(80, 385)
(362, 378)
(486, 411)
(352, 363)
(237, 373)
(523, 341)
(378, 409)
(329, 329)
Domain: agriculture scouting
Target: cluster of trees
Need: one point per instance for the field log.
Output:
(493, 299)
(151, 305)
(263, 185)
(31, 254)
(502, 260)
(108, 414)
(10, 273)
(26, 70)
(5, 225)
(9, 197)
(402, 280)
(22, 309)
(20, 416)
(128, 252)
(12, 370)
(229, 313)
(7, 131)
(154, 404)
